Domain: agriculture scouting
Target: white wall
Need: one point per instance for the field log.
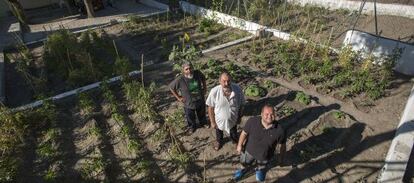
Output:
(382, 9)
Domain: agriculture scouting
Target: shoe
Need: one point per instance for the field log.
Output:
(260, 175)
(238, 174)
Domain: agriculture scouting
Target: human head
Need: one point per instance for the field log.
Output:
(268, 114)
(187, 68)
(225, 80)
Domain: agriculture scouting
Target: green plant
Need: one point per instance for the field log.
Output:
(50, 175)
(133, 145)
(339, 115)
(180, 158)
(46, 150)
(254, 91)
(178, 56)
(269, 85)
(91, 168)
(86, 104)
(208, 26)
(286, 111)
(95, 131)
(122, 67)
(346, 56)
(302, 98)
(141, 99)
(125, 131)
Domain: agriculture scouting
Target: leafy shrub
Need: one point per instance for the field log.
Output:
(141, 99)
(122, 66)
(255, 91)
(339, 115)
(302, 98)
(208, 26)
(86, 104)
(178, 56)
(78, 61)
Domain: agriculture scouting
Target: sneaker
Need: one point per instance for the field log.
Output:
(260, 175)
(238, 174)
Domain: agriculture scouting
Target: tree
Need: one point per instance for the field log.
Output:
(89, 8)
(18, 11)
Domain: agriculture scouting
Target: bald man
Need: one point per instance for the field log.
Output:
(225, 104)
(258, 142)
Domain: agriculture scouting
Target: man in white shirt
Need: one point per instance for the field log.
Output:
(225, 103)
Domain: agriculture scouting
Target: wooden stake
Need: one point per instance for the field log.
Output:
(116, 49)
(204, 166)
(142, 70)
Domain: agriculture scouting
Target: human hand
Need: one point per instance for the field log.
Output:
(239, 149)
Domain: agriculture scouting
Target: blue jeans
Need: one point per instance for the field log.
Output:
(199, 112)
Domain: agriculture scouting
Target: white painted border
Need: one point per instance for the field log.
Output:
(401, 146)
(382, 9)
(71, 93)
(2, 77)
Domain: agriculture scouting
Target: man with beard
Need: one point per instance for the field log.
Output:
(225, 103)
(258, 142)
(192, 87)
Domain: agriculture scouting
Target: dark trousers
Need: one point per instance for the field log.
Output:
(233, 135)
(199, 112)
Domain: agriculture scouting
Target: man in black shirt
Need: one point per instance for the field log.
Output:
(258, 141)
(192, 87)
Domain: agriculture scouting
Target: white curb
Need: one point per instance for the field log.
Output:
(2, 77)
(401, 146)
(71, 93)
(225, 45)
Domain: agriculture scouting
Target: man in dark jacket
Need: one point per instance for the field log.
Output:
(189, 88)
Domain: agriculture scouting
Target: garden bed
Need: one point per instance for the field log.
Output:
(67, 61)
(128, 132)
(112, 135)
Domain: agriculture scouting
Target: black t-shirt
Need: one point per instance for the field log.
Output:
(190, 89)
(261, 142)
